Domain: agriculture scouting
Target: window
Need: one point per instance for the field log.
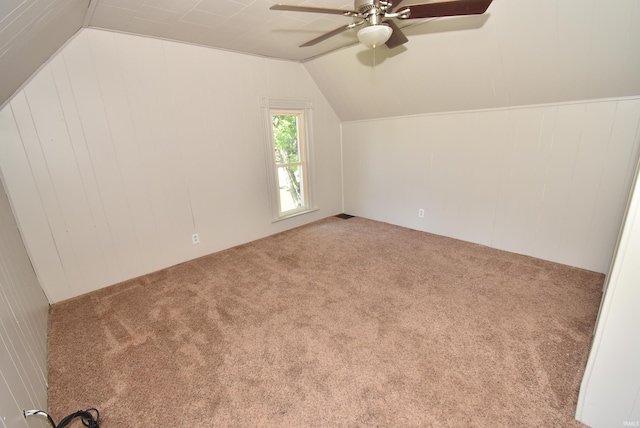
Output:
(288, 156)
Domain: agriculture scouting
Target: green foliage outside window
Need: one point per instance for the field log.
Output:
(285, 139)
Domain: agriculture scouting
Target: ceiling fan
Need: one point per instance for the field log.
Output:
(378, 16)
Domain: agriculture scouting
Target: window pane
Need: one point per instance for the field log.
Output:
(285, 138)
(290, 185)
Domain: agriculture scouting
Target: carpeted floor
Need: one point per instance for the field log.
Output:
(337, 323)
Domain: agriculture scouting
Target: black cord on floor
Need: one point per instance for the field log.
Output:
(87, 417)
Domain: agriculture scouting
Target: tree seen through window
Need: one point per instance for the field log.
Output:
(289, 159)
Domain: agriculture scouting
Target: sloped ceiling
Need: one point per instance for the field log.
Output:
(239, 25)
(521, 52)
(30, 32)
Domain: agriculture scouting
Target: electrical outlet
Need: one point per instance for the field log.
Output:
(195, 238)
(421, 213)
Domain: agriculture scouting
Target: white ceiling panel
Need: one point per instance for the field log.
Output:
(147, 27)
(520, 52)
(525, 52)
(247, 26)
(177, 6)
(573, 46)
(30, 32)
(126, 4)
(202, 18)
(632, 61)
(222, 8)
(527, 35)
(113, 17)
(612, 46)
(152, 13)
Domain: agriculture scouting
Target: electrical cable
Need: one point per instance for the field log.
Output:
(86, 416)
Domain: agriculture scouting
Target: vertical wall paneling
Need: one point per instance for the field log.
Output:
(46, 191)
(162, 140)
(9, 408)
(563, 149)
(62, 187)
(207, 114)
(622, 148)
(126, 154)
(547, 181)
(156, 211)
(611, 385)
(128, 145)
(23, 327)
(15, 271)
(105, 165)
(586, 180)
(90, 191)
(17, 174)
(522, 177)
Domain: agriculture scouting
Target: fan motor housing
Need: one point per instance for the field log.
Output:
(363, 6)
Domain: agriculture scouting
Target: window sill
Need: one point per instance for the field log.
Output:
(295, 214)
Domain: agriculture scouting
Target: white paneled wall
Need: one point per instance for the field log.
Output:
(548, 181)
(23, 328)
(121, 147)
(610, 390)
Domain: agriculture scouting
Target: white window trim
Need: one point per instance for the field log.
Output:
(266, 105)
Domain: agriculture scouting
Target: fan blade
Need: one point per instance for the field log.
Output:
(397, 5)
(397, 36)
(294, 8)
(325, 36)
(446, 8)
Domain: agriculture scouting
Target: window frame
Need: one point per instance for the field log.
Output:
(289, 106)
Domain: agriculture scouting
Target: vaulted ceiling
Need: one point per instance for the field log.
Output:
(239, 25)
(30, 32)
(526, 52)
(520, 52)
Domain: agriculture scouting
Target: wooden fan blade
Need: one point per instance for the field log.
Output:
(395, 7)
(295, 8)
(446, 8)
(325, 36)
(397, 36)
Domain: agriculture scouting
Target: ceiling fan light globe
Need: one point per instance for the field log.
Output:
(374, 35)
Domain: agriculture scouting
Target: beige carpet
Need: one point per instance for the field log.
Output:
(338, 323)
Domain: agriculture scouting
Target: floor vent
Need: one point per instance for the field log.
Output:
(344, 216)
